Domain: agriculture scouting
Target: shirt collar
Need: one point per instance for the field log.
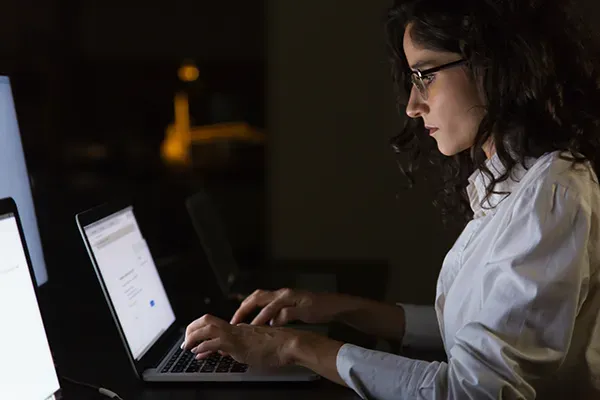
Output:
(478, 182)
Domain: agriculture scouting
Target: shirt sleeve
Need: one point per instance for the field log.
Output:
(422, 329)
(534, 278)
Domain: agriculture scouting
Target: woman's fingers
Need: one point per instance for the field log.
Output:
(200, 356)
(285, 298)
(203, 321)
(199, 334)
(208, 347)
(259, 298)
(284, 316)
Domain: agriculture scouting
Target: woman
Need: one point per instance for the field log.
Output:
(510, 95)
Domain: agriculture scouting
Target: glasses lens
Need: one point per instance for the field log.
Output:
(419, 85)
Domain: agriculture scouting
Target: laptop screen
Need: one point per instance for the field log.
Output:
(27, 370)
(131, 280)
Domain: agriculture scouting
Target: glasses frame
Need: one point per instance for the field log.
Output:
(417, 76)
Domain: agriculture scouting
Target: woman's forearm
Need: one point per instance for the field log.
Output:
(319, 353)
(372, 317)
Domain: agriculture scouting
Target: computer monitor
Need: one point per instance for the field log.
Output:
(14, 178)
(27, 369)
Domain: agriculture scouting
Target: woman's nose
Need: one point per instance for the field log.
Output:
(416, 107)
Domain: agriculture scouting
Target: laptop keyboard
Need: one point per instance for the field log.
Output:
(184, 362)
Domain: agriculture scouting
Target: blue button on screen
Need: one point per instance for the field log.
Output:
(152, 303)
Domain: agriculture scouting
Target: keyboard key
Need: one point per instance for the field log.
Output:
(179, 362)
(208, 368)
(194, 366)
(237, 367)
(175, 355)
(192, 369)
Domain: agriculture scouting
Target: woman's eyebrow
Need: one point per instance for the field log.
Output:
(422, 63)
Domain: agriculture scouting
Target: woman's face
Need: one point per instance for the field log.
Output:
(452, 111)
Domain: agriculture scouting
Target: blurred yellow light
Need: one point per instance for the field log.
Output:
(174, 151)
(180, 136)
(188, 73)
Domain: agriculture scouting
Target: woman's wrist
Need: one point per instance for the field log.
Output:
(347, 306)
(310, 350)
(315, 352)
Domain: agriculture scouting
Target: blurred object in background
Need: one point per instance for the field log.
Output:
(207, 146)
(94, 85)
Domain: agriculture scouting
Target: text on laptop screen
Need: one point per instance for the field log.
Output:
(131, 279)
(14, 178)
(27, 370)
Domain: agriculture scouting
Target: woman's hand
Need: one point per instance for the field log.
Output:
(254, 345)
(286, 305)
(264, 346)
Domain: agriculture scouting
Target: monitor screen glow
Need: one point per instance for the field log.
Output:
(14, 178)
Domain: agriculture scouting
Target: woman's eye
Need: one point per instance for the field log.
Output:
(427, 80)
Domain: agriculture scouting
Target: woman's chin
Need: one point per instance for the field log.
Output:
(449, 150)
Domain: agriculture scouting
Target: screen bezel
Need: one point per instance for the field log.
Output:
(159, 349)
(4, 75)
(8, 206)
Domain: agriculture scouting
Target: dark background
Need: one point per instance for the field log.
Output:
(94, 84)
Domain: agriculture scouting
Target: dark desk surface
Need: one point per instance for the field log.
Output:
(322, 390)
(87, 347)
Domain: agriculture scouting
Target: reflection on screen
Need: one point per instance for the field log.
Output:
(14, 179)
(26, 369)
(131, 279)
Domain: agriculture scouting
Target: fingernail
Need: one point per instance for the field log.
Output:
(182, 345)
(194, 350)
(197, 356)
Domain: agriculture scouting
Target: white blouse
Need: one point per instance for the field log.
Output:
(518, 297)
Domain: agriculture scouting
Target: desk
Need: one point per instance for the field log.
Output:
(87, 347)
(324, 391)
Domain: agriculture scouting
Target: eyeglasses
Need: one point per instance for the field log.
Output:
(421, 79)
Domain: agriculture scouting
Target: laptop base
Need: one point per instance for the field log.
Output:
(284, 374)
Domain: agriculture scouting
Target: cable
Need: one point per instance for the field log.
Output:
(103, 391)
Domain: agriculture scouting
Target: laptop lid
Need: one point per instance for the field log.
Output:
(210, 230)
(27, 369)
(129, 279)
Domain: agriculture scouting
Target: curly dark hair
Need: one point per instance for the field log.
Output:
(535, 63)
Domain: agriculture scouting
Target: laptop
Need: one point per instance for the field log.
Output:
(142, 312)
(217, 248)
(234, 282)
(27, 369)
